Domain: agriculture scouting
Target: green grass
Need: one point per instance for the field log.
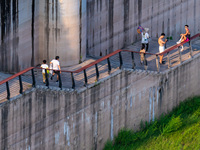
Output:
(179, 130)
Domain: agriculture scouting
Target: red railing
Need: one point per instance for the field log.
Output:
(107, 57)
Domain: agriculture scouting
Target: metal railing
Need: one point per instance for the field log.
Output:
(100, 68)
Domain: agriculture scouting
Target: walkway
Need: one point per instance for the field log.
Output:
(102, 66)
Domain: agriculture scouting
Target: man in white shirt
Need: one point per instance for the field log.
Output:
(145, 37)
(55, 64)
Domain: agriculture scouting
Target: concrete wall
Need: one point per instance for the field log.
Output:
(16, 37)
(50, 119)
(63, 30)
(41, 29)
(34, 30)
(112, 24)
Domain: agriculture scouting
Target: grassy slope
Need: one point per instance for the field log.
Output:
(178, 130)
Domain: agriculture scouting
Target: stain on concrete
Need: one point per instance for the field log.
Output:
(4, 127)
(110, 24)
(33, 33)
(47, 29)
(9, 24)
(139, 12)
(126, 22)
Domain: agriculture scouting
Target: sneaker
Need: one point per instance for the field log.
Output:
(163, 62)
(51, 77)
(56, 80)
(178, 42)
(182, 49)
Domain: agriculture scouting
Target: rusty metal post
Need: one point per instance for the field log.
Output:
(157, 63)
(133, 62)
(168, 59)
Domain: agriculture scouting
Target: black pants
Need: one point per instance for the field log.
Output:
(146, 46)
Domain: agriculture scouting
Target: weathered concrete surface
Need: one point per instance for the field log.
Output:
(51, 119)
(41, 29)
(63, 30)
(112, 24)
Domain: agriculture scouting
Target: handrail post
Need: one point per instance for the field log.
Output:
(8, 90)
(97, 72)
(33, 78)
(180, 59)
(168, 59)
(121, 61)
(60, 81)
(85, 75)
(109, 66)
(20, 84)
(133, 62)
(145, 63)
(47, 79)
(191, 51)
(157, 63)
(73, 81)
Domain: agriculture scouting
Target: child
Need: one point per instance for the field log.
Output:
(44, 66)
(142, 54)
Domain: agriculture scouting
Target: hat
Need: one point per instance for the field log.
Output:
(146, 29)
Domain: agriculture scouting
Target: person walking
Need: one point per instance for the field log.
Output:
(184, 37)
(44, 66)
(55, 65)
(161, 43)
(145, 38)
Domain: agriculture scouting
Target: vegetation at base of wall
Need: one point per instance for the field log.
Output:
(179, 130)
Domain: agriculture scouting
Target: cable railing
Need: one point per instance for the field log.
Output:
(91, 73)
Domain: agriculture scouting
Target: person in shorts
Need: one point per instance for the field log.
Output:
(56, 67)
(44, 66)
(161, 43)
(184, 37)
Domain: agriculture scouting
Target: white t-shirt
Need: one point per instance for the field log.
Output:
(45, 66)
(55, 64)
(145, 37)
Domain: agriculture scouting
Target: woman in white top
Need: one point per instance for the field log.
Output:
(145, 38)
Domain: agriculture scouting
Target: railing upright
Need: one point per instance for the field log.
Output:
(145, 63)
(60, 81)
(133, 62)
(20, 84)
(109, 66)
(47, 79)
(121, 61)
(73, 81)
(191, 51)
(157, 63)
(97, 72)
(85, 76)
(168, 59)
(180, 58)
(33, 78)
(8, 90)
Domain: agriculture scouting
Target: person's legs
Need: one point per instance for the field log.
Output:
(57, 72)
(147, 47)
(44, 78)
(161, 57)
(52, 75)
(143, 45)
